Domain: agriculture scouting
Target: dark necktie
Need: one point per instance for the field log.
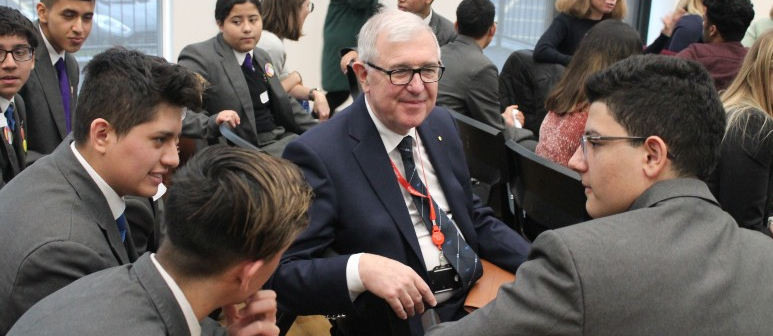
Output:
(8, 132)
(64, 90)
(121, 222)
(248, 63)
(455, 249)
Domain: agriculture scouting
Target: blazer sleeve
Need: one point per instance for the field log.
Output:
(688, 30)
(308, 281)
(484, 99)
(545, 299)
(49, 268)
(546, 50)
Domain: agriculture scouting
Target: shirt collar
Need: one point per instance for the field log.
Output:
(51, 52)
(4, 106)
(389, 137)
(429, 17)
(116, 203)
(240, 56)
(190, 316)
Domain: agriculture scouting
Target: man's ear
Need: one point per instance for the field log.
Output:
(362, 75)
(492, 30)
(42, 11)
(656, 161)
(456, 26)
(101, 134)
(247, 273)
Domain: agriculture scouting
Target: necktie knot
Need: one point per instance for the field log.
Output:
(406, 148)
(9, 116)
(121, 222)
(60, 65)
(248, 62)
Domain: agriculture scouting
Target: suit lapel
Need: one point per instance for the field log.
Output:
(49, 82)
(236, 77)
(432, 137)
(162, 297)
(90, 194)
(374, 163)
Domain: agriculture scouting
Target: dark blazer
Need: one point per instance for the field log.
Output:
(358, 207)
(443, 28)
(674, 264)
(12, 156)
(215, 60)
(132, 299)
(46, 124)
(55, 228)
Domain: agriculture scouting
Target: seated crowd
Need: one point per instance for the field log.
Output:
(369, 217)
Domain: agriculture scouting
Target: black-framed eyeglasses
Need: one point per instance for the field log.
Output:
(585, 138)
(20, 54)
(427, 74)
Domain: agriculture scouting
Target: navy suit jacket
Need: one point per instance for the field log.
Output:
(359, 208)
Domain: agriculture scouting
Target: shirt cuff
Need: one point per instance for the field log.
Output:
(353, 281)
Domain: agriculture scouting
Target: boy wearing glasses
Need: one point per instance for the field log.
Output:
(17, 48)
(393, 198)
(660, 257)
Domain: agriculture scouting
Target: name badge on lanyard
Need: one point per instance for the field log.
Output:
(264, 97)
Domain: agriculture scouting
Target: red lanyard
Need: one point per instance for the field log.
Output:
(437, 236)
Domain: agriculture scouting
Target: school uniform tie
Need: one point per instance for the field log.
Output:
(64, 90)
(122, 226)
(8, 131)
(455, 250)
(248, 63)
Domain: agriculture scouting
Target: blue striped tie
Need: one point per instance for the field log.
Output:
(455, 249)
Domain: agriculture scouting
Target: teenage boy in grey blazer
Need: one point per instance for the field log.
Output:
(660, 257)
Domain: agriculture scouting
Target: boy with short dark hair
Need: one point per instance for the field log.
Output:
(230, 215)
(62, 218)
(17, 50)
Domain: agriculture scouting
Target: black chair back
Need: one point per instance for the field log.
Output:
(485, 153)
(354, 84)
(527, 84)
(550, 194)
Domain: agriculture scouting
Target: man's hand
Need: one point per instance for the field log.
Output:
(229, 116)
(348, 57)
(512, 114)
(257, 318)
(399, 285)
(321, 108)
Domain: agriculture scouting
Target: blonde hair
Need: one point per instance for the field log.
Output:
(751, 88)
(691, 6)
(582, 9)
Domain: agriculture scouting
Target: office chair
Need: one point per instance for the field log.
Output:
(485, 152)
(550, 195)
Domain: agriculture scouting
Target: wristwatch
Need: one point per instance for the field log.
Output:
(311, 94)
